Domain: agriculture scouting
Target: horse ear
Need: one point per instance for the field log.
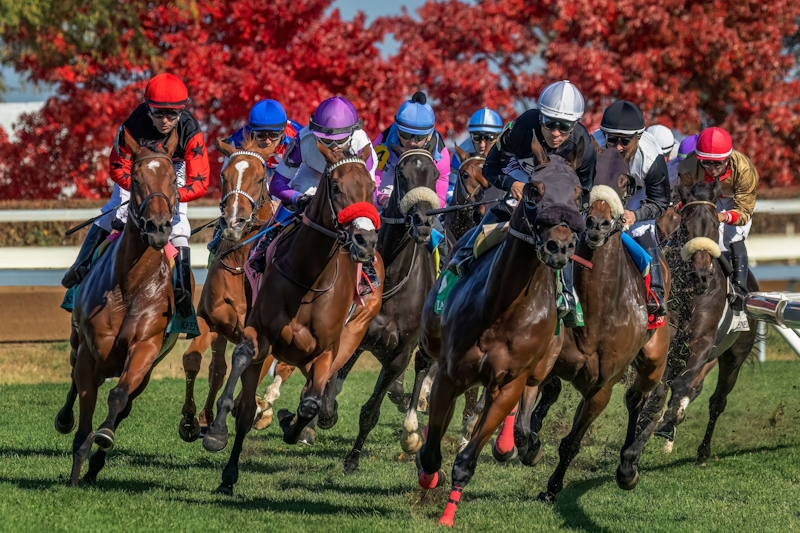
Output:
(225, 148)
(717, 190)
(326, 152)
(430, 146)
(539, 155)
(622, 184)
(630, 150)
(172, 142)
(684, 192)
(131, 143)
(366, 153)
(462, 155)
(397, 149)
(575, 157)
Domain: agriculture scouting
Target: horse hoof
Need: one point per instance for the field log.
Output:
(89, 480)
(623, 481)
(68, 426)
(307, 436)
(104, 438)
(431, 481)
(264, 421)
(422, 405)
(189, 429)
(215, 443)
(327, 422)
(350, 463)
(285, 419)
(547, 497)
(531, 458)
(225, 489)
(668, 445)
(411, 443)
(504, 457)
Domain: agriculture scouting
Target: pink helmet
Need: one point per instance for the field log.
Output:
(335, 119)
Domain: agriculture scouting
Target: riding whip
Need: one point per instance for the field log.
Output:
(87, 222)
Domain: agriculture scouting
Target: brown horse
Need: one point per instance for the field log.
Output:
(226, 294)
(122, 309)
(303, 303)
(696, 309)
(498, 325)
(595, 357)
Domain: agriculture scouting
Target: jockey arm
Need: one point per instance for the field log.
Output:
(496, 161)
(744, 190)
(280, 186)
(197, 169)
(443, 182)
(656, 185)
(119, 161)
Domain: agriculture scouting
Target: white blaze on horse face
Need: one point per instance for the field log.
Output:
(153, 165)
(363, 223)
(241, 166)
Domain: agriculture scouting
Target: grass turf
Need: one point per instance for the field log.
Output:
(153, 481)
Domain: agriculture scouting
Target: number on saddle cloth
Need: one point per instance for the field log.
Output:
(640, 257)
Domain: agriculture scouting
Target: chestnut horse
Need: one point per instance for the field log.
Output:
(696, 309)
(410, 267)
(306, 294)
(498, 324)
(226, 294)
(122, 309)
(615, 336)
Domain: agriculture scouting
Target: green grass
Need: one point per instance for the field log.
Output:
(155, 482)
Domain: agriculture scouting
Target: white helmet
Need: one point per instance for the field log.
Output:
(561, 100)
(664, 137)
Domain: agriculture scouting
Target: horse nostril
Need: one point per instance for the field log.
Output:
(590, 222)
(605, 224)
(150, 227)
(552, 247)
(359, 240)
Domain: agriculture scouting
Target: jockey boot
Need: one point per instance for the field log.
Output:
(183, 287)
(568, 304)
(259, 255)
(213, 246)
(80, 267)
(369, 270)
(739, 260)
(658, 307)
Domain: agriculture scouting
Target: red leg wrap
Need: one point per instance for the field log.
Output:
(450, 509)
(505, 441)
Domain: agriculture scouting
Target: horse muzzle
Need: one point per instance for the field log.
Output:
(156, 235)
(598, 230)
(363, 243)
(421, 224)
(233, 229)
(556, 252)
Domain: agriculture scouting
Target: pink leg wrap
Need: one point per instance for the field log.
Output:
(450, 509)
(505, 441)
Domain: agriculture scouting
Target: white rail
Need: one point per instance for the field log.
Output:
(79, 215)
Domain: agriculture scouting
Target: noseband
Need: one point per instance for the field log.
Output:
(256, 204)
(135, 210)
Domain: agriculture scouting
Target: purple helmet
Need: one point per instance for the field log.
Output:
(335, 119)
(687, 146)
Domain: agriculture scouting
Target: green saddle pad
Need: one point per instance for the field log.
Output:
(449, 280)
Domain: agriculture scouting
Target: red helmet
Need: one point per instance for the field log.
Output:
(166, 91)
(714, 144)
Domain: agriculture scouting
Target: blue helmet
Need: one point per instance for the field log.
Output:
(485, 121)
(267, 115)
(416, 116)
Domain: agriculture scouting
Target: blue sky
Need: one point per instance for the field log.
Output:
(18, 92)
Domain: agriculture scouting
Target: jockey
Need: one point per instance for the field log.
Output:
(509, 164)
(271, 129)
(413, 127)
(664, 137)
(484, 127)
(621, 125)
(686, 147)
(715, 158)
(150, 124)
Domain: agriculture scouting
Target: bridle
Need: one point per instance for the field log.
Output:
(617, 225)
(256, 204)
(397, 191)
(472, 197)
(135, 209)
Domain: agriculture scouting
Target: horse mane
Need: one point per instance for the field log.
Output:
(704, 191)
(249, 143)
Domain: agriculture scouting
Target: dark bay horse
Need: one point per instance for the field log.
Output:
(122, 310)
(696, 307)
(224, 302)
(595, 357)
(306, 294)
(410, 267)
(498, 324)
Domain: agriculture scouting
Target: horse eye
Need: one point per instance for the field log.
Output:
(335, 189)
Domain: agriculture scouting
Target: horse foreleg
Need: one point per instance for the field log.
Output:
(65, 418)
(499, 404)
(427, 385)
(87, 398)
(522, 422)
(216, 378)
(216, 437)
(244, 421)
(551, 390)
(588, 410)
(189, 427)
(318, 373)
(371, 411)
(650, 364)
(410, 441)
(442, 407)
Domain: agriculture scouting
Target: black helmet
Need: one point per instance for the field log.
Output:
(622, 118)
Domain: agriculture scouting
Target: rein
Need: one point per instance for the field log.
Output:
(698, 202)
(134, 209)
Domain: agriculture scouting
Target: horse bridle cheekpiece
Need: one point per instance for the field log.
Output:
(405, 200)
(135, 210)
(473, 196)
(256, 204)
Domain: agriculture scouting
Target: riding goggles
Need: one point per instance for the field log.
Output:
(159, 113)
(488, 137)
(551, 124)
(614, 140)
(713, 165)
(272, 135)
(412, 136)
(330, 143)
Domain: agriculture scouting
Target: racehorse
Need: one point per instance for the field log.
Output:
(123, 308)
(303, 302)
(696, 311)
(225, 299)
(498, 324)
(596, 356)
(410, 273)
